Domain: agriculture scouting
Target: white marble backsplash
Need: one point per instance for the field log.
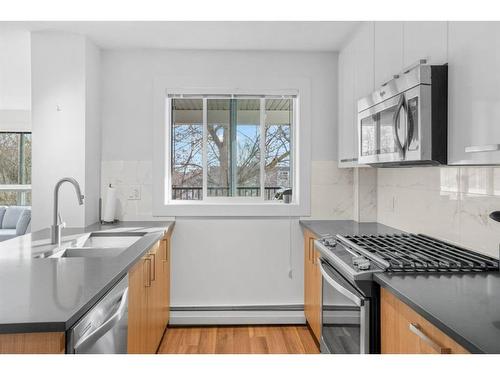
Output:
(451, 203)
(332, 195)
(331, 189)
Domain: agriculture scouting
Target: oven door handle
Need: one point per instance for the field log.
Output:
(354, 298)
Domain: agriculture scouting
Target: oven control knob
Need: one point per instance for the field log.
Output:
(361, 263)
(329, 241)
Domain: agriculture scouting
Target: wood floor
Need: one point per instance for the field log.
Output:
(238, 340)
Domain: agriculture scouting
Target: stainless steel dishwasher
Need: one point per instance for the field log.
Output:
(104, 328)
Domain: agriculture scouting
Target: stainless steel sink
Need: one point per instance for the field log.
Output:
(89, 252)
(95, 245)
(112, 240)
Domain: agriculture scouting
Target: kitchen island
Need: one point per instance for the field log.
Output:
(41, 294)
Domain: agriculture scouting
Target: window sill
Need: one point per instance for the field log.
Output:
(200, 208)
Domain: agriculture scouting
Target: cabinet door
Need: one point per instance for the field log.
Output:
(425, 40)
(316, 293)
(138, 314)
(307, 278)
(347, 155)
(312, 288)
(473, 92)
(164, 282)
(363, 62)
(388, 50)
(155, 301)
(403, 331)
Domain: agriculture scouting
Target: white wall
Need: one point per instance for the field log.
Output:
(92, 132)
(61, 137)
(238, 261)
(15, 80)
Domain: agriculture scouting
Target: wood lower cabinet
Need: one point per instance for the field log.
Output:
(33, 343)
(149, 295)
(312, 285)
(403, 331)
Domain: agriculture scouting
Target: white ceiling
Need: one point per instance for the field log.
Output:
(279, 36)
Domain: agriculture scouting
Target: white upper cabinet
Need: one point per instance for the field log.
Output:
(473, 92)
(355, 81)
(363, 61)
(346, 124)
(424, 40)
(388, 50)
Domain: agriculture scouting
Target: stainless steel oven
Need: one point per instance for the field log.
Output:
(405, 121)
(345, 315)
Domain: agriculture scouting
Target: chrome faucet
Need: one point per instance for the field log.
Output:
(58, 224)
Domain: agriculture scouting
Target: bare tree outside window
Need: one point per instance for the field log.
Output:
(15, 167)
(233, 147)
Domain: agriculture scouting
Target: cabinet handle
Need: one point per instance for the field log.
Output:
(483, 148)
(166, 252)
(153, 255)
(148, 282)
(415, 328)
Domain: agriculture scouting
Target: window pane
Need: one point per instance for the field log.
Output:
(233, 152)
(279, 120)
(218, 147)
(15, 198)
(187, 149)
(247, 148)
(27, 160)
(9, 158)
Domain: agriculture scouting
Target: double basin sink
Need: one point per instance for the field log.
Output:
(95, 245)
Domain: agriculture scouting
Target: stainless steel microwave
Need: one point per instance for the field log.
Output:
(405, 122)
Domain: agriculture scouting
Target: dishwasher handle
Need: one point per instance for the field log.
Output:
(96, 334)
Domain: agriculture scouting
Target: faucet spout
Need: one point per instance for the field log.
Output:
(57, 223)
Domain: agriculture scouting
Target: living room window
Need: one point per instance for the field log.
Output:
(230, 148)
(15, 168)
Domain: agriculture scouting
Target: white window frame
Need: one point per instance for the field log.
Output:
(163, 205)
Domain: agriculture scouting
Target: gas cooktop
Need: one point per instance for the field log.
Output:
(361, 255)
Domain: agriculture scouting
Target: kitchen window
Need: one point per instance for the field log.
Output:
(230, 148)
(15, 168)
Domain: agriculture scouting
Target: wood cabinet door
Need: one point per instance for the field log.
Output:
(138, 315)
(316, 293)
(312, 288)
(473, 94)
(155, 298)
(166, 274)
(403, 331)
(163, 285)
(307, 278)
(148, 300)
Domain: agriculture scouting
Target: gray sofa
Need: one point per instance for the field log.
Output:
(14, 221)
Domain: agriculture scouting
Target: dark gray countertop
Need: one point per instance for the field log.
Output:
(51, 294)
(464, 306)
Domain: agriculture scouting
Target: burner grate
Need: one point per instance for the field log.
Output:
(421, 253)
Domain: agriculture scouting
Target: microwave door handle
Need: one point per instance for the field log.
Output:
(106, 326)
(354, 298)
(395, 122)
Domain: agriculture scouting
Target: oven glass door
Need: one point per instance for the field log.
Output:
(345, 319)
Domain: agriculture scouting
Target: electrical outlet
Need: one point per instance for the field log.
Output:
(134, 193)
